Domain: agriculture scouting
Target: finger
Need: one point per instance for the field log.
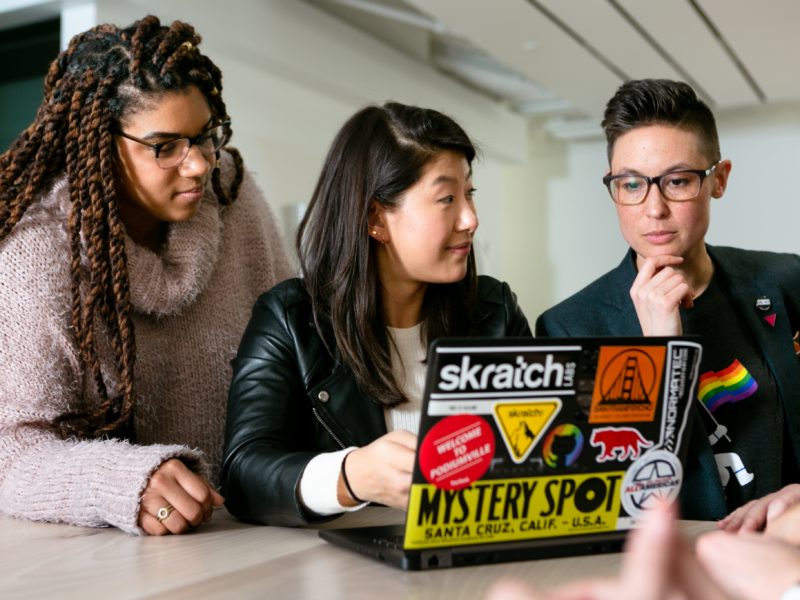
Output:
(734, 520)
(200, 491)
(784, 499)
(658, 285)
(754, 515)
(593, 589)
(676, 286)
(402, 460)
(152, 501)
(677, 292)
(649, 553)
(776, 508)
(192, 510)
(167, 487)
(175, 522)
(217, 498)
(722, 557)
(733, 523)
(511, 589)
(691, 578)
(754, 520)
(404, 438)
(654, 264)
(652, 267)
(151, 525)
(786, 525)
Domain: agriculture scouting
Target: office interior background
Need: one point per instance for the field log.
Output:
(527, 79)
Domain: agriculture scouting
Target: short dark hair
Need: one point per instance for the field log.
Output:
(641, 102)
(378, 154)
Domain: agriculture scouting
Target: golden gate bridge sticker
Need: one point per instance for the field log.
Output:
(628, 383)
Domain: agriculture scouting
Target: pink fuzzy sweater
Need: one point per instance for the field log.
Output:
(191, 303)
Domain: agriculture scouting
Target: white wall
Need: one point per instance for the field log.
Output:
(293, 74)
(761, 209)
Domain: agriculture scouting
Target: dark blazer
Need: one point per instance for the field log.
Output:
(605, 307)
(291, 400)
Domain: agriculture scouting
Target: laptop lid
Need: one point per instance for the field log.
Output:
(539, 448)
(548, 440)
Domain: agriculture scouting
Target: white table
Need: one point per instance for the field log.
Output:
(229, 559)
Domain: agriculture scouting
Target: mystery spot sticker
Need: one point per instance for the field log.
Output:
(456, 451)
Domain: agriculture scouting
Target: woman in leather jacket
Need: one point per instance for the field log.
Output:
(324, 405)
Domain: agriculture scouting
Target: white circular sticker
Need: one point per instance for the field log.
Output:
(652, 478)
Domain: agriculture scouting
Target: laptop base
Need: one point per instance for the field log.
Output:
(385, 543)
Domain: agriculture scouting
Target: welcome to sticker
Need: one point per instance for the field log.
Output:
(456, 451)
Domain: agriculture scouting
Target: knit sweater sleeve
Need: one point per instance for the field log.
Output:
(42, 477)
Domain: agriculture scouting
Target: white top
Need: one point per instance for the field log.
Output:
(408, 368)
(318, 484)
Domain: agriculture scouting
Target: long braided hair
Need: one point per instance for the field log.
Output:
(106, 74)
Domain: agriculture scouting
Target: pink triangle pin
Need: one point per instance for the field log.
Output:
(771, 319)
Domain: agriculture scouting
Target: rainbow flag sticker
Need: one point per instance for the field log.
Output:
(726, 386)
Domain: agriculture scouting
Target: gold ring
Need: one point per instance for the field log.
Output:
(164, 512)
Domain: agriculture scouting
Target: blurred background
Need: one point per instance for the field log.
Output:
(527, 79)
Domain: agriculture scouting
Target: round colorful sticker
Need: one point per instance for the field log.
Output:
(456, 451)
(562, 446)
(654, 477)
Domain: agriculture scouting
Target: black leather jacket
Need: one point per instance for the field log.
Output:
(291, 400)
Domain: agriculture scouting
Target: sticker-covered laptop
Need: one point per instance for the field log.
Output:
(539, 448)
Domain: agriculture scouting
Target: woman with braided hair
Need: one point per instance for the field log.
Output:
(132, 247)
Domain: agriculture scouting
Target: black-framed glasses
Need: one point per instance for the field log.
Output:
(677, 186)
(171, 153)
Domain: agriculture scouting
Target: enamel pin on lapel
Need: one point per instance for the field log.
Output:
(764, 304)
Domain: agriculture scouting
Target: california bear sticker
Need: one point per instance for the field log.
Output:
(618, 443)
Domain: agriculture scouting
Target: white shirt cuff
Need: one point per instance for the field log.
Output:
(319, 484)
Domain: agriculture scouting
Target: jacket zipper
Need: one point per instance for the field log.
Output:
(328, 429)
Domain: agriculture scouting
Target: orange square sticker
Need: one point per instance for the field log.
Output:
(627, 385)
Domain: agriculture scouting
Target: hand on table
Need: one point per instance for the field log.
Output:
(381, 471)
(190, 496)
(749, 566)
(758, 514)
(785, 525)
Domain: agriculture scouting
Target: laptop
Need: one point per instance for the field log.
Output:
(539, 448)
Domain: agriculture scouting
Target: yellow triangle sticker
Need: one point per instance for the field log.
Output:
(522, 423)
